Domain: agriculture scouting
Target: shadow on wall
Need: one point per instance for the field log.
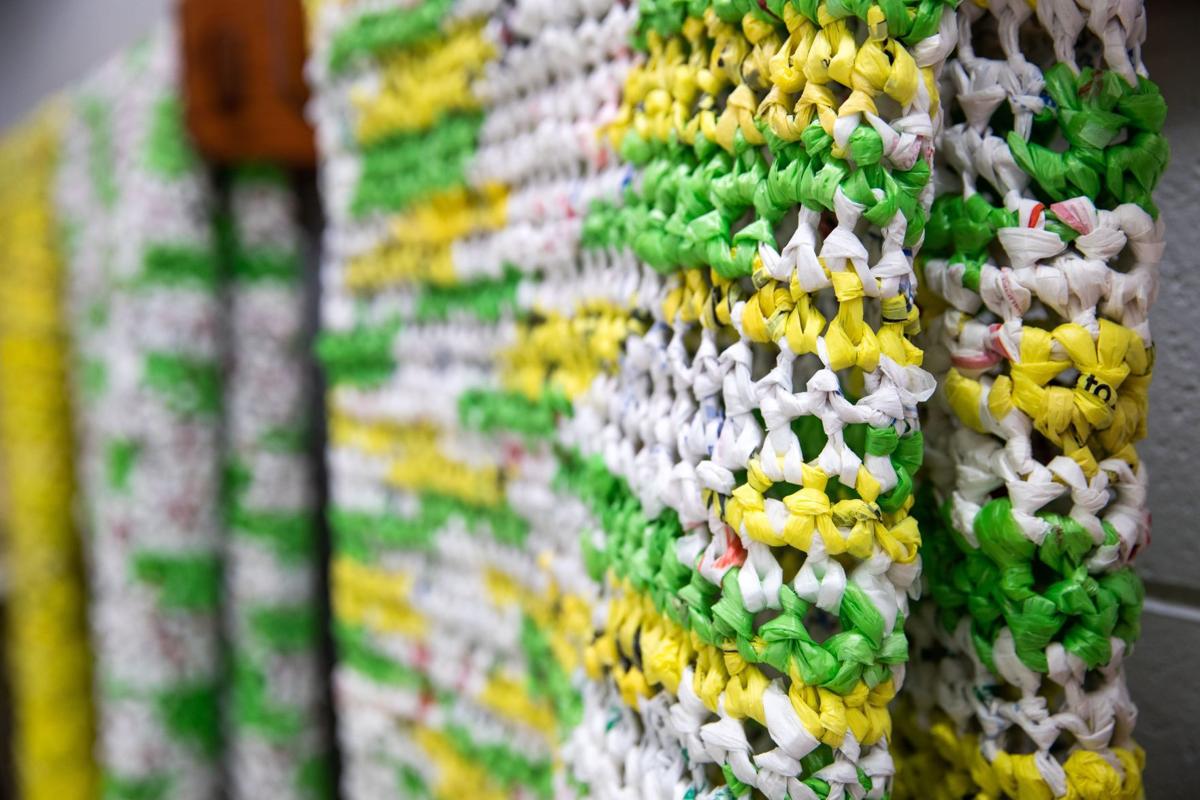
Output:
(1162, 669)
(47, 44)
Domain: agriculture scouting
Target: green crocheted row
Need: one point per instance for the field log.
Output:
(97, 117)
(93, 379)
(643, 551)
(186, 582)
(284, 628)
(486, 299)
(548, 679)
(259, 173)
(356, 651)
(169, 152)
(1042, 593)
(1115, 150)
(120, 787)
(290, 535)
(682, 216)
(189, 711)
(962, 231)
(286, 438)
(187, 385)
(191, 714)
(177, 265)
(365, 535)
(262, 265)
(120, 457)
(314, 776)
(811, 764)
(491, 411)
(253, 706)
(361, 356)
(910, 21)
(377, 32)
(399, 169)
(412, 785)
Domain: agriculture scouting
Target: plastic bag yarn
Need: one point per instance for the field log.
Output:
(47, 643)
(275, 713)
(1043, 249)
(142, 280)
(444, 580)
(763, 606)
(620, 339)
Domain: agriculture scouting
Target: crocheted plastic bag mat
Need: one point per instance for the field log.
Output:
(625, 406)
(48, 659)
(275, 686)
(145, 320)
(1041, 261)
(191, 386)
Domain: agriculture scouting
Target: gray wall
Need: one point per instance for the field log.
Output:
(1161, 671)
(44, 44)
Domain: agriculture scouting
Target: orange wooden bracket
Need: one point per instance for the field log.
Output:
(243, 79)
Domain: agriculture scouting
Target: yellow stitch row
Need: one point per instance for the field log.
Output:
(47, 636)
(508, 696)
(418, 247)
(379, 600)
(1101, 417)
(779, 311)
(390, 264)
(706, 299)
(951, 765)
(374, 597)
(810, 511)
(379, 437)
(567, 353)
(676, 89)
(666, 649)
(457, 776)
(451, 214)
(420, 85)
(774, 313)
(564, 617)
(416, 460)
(431, 471)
